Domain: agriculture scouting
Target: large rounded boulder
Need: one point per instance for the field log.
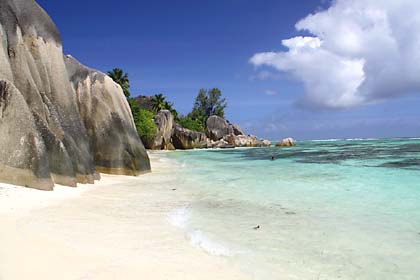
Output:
(115, 143)
(47, 134)
(217, 128)
(185, 139)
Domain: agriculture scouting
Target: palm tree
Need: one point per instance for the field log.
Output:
(121, 78)
(159, 102)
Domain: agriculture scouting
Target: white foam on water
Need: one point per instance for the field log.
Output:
(200, 240)
(326, 140)
(180, 217)
(361, 139)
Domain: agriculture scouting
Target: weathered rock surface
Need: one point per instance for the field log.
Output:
(237, 130)
(232, 141)
(250, 141)
(164, 121)
(113, 137)
(288, 142)
(22, 153)
(45, 137)
(185, 139)
(266, 143)
(217, 128)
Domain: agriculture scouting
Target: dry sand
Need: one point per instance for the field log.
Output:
(115, 229)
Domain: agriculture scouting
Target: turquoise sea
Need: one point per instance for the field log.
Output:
(338, 209)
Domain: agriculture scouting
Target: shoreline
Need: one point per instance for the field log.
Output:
(98, 232)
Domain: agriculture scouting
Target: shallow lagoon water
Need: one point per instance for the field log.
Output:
(326, 209)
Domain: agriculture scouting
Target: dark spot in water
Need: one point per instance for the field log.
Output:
(257, 227)
(174, 189)
(412, 163)
(290, 213)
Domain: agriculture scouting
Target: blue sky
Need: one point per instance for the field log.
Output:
(178, 47)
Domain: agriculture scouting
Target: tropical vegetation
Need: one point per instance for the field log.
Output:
(207, 103)
(143, 120)
(159, 103)
(191, 124)
(121, 78)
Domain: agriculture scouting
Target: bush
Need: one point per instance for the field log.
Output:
(146, 127)
(191, 124)
(143, 119)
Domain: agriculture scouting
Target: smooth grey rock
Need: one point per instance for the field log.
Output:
(217, 128)
(31, 57)
(115, 143)
(23, 155)
(185, 139)
(52, 145)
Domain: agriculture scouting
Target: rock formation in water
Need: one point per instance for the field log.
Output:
(222, 134)
(288, 142)
(225, 135)
(53, 130)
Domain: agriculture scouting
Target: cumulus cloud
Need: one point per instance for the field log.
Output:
(358, 52)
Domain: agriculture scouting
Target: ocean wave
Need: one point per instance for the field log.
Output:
(362, 139)
(326, 140)
(180, 217)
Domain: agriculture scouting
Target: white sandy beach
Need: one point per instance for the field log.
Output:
(98, 232)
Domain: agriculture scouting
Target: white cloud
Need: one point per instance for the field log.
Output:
(271, 92)
(266, 75)
(359, 52)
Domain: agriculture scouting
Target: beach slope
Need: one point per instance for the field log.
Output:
(115, 229)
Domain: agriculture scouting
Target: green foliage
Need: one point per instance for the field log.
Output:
(121, 78)
(191, 124)
(208, 103)
(159, 103)
(135, 109)
(143, 119)
(146, 126)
